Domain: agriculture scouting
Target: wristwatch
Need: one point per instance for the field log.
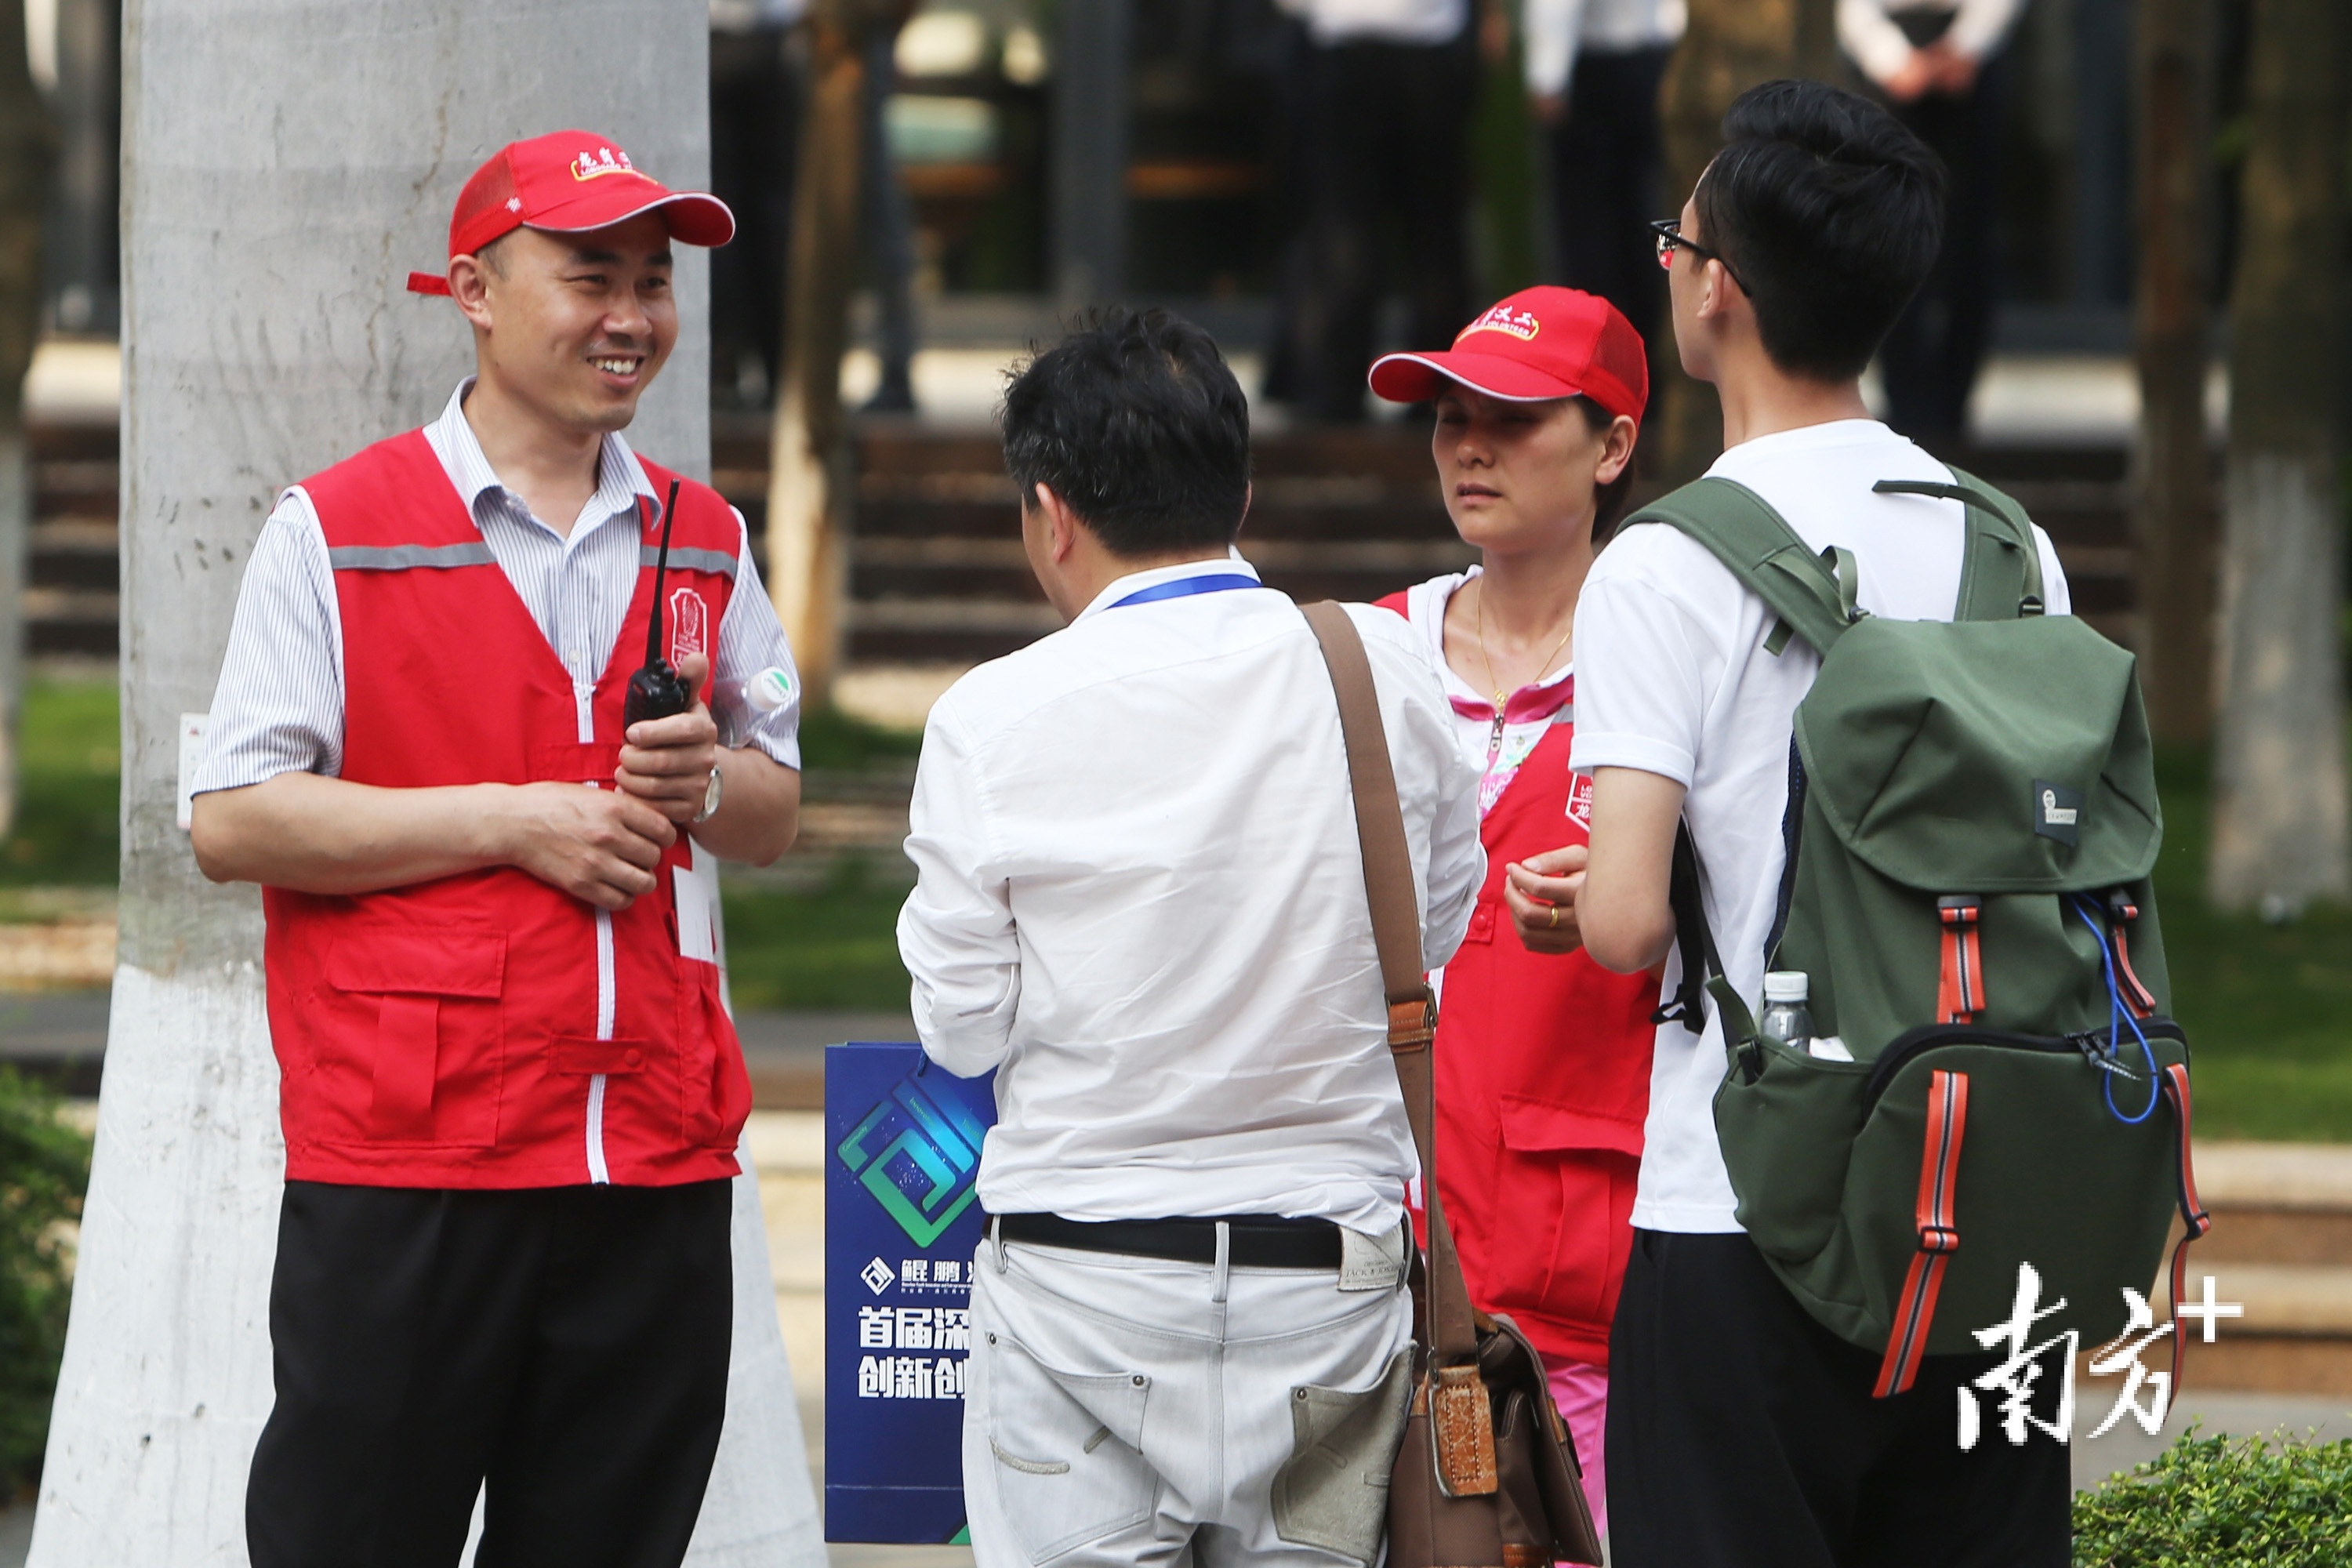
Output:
(710, 798)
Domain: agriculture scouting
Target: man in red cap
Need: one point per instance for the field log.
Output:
(511, 1093)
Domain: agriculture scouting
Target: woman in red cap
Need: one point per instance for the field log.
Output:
(1543, 1062)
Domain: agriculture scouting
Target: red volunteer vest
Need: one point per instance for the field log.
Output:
(485, 1030)
(1543, 1082)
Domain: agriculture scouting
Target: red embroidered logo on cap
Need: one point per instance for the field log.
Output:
(602, 162)
(1521, 324)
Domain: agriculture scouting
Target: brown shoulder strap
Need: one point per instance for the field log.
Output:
(1396, 932)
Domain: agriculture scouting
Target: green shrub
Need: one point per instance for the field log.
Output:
(2223, 1502)
(44, 1170)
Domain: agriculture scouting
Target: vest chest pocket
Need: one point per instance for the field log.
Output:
(416, 1040)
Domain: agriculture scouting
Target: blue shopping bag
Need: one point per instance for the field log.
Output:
(901, 1225)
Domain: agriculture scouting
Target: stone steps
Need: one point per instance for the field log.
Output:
(937, 576)
(72, 605)
(935, 573)
(2281, 1247)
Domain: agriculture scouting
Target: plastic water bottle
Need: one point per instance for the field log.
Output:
(768, 690)
(1786, 1017)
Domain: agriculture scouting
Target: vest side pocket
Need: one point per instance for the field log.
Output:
(715, 1086)
(412, 1047)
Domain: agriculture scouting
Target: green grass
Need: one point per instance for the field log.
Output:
(68, 780)
(2268, 1008)
(832, 739)
(836, 948)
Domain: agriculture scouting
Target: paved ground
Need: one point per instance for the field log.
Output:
(2231, 1413)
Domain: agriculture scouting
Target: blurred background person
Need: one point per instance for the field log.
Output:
(755, 110)
(889, 238)
(1939, 66)
(756, 96)
(1543, 1060)
(1592, 71)
(1389, 88)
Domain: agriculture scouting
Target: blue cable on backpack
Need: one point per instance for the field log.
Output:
(2117, 1015)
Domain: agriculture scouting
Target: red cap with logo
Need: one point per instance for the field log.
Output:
(1539, 343)
(567, 182)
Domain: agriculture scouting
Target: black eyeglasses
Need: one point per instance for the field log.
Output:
(1669, 234)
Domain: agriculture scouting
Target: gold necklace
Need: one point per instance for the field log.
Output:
(1483, 658)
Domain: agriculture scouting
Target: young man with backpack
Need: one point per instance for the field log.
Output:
(1744, 1428)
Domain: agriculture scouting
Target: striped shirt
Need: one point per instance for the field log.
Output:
(279, 704)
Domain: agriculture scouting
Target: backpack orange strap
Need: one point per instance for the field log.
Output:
(2192, 1211)
(1940, 1234)
(1960, 997)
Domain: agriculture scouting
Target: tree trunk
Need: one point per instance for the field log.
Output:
(284, 165)
(2279, 812)
(808, 468)
(26, 145)
(1731, 46)
(2173, 462)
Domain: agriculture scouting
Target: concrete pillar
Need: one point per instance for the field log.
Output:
(284, 165)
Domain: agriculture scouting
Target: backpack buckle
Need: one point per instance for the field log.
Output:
(1959, 995)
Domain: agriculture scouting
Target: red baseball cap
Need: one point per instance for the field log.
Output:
(567, 182)
(1539, 343)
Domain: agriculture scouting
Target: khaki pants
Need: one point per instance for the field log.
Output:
(1119, 1409)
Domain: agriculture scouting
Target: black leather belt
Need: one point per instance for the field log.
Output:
(1258, 1241)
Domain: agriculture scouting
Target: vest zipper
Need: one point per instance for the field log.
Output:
(1929, 1036)
(584, 696)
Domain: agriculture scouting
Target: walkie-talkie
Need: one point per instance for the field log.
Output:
(656, 692)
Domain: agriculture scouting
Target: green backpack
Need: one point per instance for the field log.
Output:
(1971, 827)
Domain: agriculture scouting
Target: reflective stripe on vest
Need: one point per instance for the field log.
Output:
(407, 557)
(718, 561)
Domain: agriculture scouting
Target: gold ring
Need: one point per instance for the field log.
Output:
(1555, 918)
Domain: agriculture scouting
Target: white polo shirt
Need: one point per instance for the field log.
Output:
(1141, 900)
(1673, 678)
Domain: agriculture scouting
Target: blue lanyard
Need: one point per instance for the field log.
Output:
(1215, 583)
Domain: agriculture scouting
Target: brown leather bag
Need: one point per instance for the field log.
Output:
(1486, 1477)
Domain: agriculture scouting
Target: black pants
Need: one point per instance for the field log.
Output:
(1389, 127)
(1931, 358)
(1742, 1434)
(754, 141)
(563, 1349)
(1607, 158)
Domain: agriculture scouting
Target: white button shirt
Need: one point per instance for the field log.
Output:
(1421, 22)
(1557, 31)
(1139, 897)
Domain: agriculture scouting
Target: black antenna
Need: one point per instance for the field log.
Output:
(656, 692)
(661, 570)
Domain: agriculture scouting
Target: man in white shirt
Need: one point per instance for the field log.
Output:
(1742, 1431)
(1140, 901)
(1939, 64)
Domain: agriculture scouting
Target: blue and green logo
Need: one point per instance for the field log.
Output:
(919, 1154)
